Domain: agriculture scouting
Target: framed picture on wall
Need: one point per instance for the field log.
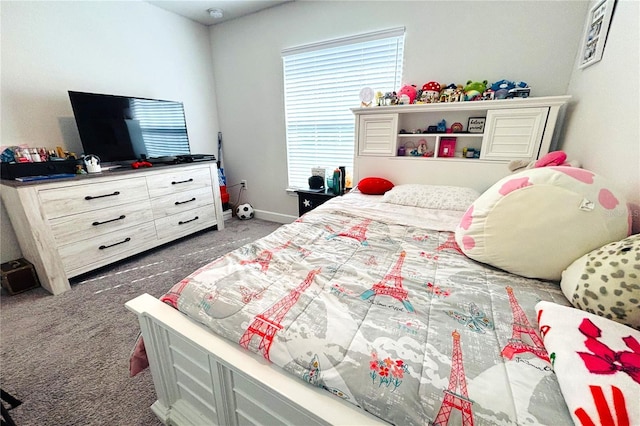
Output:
(595, 32)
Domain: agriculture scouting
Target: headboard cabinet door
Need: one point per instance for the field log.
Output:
(376, 134)
(513, 134)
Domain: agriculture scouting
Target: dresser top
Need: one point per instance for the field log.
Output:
(120, 172)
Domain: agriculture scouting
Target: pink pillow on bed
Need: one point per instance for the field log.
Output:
(374, 185)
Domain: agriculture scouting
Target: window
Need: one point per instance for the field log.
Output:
(322, 82)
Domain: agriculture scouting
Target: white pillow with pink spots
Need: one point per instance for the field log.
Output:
(535, 223)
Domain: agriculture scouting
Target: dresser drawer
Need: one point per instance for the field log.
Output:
(88, 225)
(184, 223)
(180, 202)
(64, 201)
(178, 181)
(107, 248)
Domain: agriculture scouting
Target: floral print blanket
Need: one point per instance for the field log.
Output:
(360, 299)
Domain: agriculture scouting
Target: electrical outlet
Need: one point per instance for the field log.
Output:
(243, 184)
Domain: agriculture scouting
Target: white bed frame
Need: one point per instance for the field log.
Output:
(202, 379)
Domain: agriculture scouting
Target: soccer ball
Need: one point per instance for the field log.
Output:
(244, 211)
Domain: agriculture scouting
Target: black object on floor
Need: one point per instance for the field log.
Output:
(13, 402)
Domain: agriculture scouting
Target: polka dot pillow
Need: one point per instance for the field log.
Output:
(441, 197)
(606, 282)
(536, 222)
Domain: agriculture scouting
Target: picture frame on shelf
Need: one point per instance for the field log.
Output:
(476, 124)
(447, 147)
(595, 33)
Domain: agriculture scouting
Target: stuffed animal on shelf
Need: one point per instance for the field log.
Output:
(501, 88)
(430, 92)
(447, 92)
(474, 90)
(408, 91)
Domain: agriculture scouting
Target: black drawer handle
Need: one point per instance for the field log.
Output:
(107, 221)
(181, 181)
(91, 197)
(187, 221)
(185, 202)
(126, 240)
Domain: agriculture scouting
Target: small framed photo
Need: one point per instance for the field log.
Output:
(476, 124)
(447, 147)
(595, 33)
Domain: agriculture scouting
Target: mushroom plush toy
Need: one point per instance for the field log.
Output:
(430, 92)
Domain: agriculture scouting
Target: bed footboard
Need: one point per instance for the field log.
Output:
(201, 378)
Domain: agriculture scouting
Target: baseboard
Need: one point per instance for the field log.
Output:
(275, 217)
(161, 412)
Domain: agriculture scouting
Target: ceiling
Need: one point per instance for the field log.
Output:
(197, 10)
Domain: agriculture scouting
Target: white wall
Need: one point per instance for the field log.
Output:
(134, 48)
(603, 127)
(451, 41)
(126, 48)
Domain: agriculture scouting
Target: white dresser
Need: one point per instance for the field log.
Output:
(72, 226)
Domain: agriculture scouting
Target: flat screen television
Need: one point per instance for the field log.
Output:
(121, 129)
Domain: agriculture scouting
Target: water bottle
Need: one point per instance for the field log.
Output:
(336, 182)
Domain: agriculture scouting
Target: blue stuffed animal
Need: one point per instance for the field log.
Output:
(501, 88)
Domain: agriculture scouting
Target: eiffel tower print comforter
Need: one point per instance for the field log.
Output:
(375, 303)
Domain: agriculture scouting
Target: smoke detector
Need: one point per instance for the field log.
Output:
(215, 13)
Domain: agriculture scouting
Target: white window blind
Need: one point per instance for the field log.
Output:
(321, 83)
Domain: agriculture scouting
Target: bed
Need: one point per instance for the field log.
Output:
(363, 311)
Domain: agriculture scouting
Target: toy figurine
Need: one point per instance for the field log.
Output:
(488, 95)
(521, 90)
(422, 147)
(457, 95)
(442, 126)
(390, 98)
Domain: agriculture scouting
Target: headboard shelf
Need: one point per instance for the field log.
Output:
(395, 142)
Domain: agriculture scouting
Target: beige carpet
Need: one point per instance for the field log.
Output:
(66, 357)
